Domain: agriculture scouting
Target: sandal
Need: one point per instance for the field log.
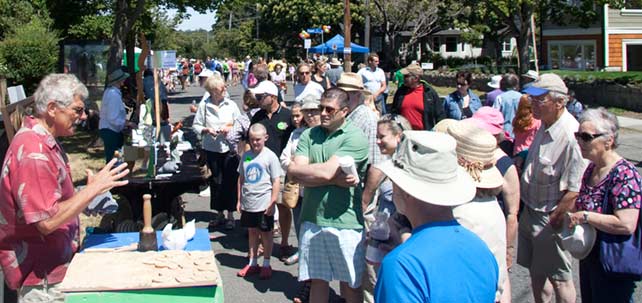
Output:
(304, 293)
(293, 259)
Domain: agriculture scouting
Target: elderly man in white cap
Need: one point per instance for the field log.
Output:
(442, 261)
(550, 183)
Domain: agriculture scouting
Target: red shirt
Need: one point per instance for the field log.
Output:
(412, 108)
(35, 178)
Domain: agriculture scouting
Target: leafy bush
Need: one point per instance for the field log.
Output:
(29, 51)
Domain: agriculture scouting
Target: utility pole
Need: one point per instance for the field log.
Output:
(229, 24)
(347, 51)
(366, 36)
(257, 21)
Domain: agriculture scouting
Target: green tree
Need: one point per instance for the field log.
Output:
(29, 51)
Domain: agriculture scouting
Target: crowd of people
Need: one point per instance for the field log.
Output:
(468, 185)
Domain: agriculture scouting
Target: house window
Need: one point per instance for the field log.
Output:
(633, 4)
(577, 55)
(506, 46)
(451, 44)
(435, 44)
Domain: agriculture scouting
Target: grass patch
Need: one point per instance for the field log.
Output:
(83, 153)
(593, 75)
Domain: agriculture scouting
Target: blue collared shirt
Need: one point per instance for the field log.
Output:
(454, 102)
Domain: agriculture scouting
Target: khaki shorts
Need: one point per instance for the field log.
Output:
(538, 248)
(279, 198)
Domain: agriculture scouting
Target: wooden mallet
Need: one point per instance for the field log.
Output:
(147, 239)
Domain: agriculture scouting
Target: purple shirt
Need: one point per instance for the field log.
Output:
(491, 96)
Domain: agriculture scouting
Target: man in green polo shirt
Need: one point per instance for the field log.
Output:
(332, 238)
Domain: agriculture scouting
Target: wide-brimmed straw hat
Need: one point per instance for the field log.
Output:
(442, 126)
(579, 240)
(350, 82)
(117, 75)
(476, 153)
(334, 62)
(425, 167)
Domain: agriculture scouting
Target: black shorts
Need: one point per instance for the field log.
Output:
(257, 220)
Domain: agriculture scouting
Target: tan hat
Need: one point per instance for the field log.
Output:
(334, 61)
(545, 84)
(425, 166)
(310, 102)
(117, 75)
(442, 126)
(350, 82)
(476, 153)
(413, 69)
(579, 240)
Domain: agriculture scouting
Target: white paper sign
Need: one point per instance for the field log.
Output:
(347, 50)
(428, 65)
(307, 43)
(16, 93)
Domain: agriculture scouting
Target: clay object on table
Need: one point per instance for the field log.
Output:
(147, 239)
(140, 270)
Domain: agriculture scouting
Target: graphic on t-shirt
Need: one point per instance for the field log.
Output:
(253, 173)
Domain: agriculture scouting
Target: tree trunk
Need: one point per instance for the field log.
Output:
(117, 38)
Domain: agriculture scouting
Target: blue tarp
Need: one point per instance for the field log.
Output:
(335, 45)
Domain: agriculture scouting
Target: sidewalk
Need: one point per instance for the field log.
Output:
(630, 123)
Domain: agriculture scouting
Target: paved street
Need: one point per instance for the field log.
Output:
(231, 247)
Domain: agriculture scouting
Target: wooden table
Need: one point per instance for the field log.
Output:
(209, 294)
(166, 193)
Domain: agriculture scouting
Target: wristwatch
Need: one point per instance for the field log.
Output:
(585, 215)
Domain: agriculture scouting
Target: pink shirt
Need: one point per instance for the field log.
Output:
(35, 178)
(524, 139)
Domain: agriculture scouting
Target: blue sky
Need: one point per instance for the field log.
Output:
(196, 21)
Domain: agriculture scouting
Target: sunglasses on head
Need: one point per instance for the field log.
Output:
(586, 137)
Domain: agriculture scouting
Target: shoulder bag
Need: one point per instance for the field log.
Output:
(620, 255)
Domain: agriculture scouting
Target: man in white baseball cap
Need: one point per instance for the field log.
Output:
(441, 261)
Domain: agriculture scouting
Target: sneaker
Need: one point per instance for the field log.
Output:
(205, 192)
(249, 270)
(266, 273)
(293, 259)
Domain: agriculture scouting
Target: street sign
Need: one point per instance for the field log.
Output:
(314, 30)
(347, 50)
(307, 43)
(428, 65)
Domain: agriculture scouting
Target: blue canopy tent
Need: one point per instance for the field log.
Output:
(335, 45)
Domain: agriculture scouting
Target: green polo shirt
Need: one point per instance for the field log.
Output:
(331, 205)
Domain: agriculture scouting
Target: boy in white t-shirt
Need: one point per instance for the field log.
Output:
(258, 189)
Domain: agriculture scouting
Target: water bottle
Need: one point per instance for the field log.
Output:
(379, 233)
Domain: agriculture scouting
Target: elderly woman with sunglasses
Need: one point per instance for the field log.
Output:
(462, 103)
(609, 200)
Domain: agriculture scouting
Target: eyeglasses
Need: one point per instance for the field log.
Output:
(461, 84)
(586, 137)
(304, 73)
(328, 109)
(539, 99)
(78, 110)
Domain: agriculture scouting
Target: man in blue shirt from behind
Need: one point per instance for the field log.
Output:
(442, 261)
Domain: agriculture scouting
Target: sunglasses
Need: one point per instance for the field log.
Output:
(328, 109)
(539, 99)
(259, 97)
(304, 73)
(586, 137)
